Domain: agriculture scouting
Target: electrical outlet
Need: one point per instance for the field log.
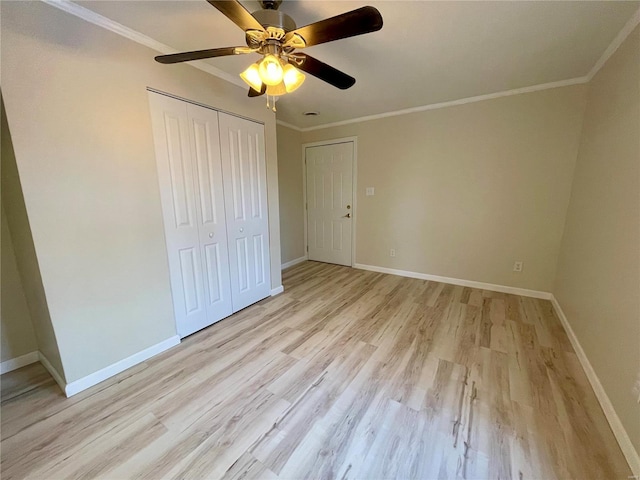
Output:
(371, 191)
(392, 252)
(517, 267)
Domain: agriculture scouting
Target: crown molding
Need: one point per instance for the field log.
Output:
(288, 125)
(615, 44)
(108, 24)
(631, 24)
(126, 32)
(453, 103)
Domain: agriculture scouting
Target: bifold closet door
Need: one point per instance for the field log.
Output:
(187, 147)
(245, 191)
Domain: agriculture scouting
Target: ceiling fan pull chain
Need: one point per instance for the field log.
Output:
(271, 102)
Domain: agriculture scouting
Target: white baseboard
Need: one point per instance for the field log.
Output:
(457, 281)
(293, 262)
(107, 372)
(51, 369)
(277, 290)
(619, 431)
(18, 362)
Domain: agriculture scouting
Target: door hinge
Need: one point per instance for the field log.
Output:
(307, 248)
(306, 206)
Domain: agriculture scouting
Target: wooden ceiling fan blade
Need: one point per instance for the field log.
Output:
(323, 71)
(239, 15)
(200, 54)
(356, 22)
(255, 93)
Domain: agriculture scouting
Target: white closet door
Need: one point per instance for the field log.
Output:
(205, 145)
(245, 193)
(190, 191)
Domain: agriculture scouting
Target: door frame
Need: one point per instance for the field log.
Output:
(354, 189)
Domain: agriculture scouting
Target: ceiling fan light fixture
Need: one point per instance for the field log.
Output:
(292, 78)
(265, 73)
(271, 71)
(251, 77)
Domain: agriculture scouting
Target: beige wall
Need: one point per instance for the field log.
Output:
(25, 254)
(598, 281)
(79, 118)
(16, 331)
(466, 191)
(290, 182)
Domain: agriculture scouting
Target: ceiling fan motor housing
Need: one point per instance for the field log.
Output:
(270, 4)
(275, 18)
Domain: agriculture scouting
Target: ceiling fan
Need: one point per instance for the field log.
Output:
(274, 35)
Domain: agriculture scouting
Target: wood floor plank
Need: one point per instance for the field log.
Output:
(24, 380)
(348, 374)
(248, 467)
(99, 457)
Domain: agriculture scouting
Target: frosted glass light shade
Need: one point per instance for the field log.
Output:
(270, 70)
(270, 73)
(292, 78)
(251, 76)
(276, 90)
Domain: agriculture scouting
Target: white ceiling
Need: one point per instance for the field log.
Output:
(427, 52)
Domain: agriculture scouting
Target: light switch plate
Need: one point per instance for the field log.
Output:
(370, 191)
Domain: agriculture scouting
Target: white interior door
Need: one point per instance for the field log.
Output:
(212, 229)
(187, 153)
(245, 192)
(330, 202)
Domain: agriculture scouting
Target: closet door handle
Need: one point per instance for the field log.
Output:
(211, 235)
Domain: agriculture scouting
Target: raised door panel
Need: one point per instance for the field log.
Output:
(329, 202)
(178, 194)
(245, 190)
(205, 143)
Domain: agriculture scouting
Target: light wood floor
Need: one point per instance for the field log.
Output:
(348, 374)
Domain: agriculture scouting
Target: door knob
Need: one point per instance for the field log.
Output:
(348, 207)
(241, 230)
(211, 235)
(348, 215)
